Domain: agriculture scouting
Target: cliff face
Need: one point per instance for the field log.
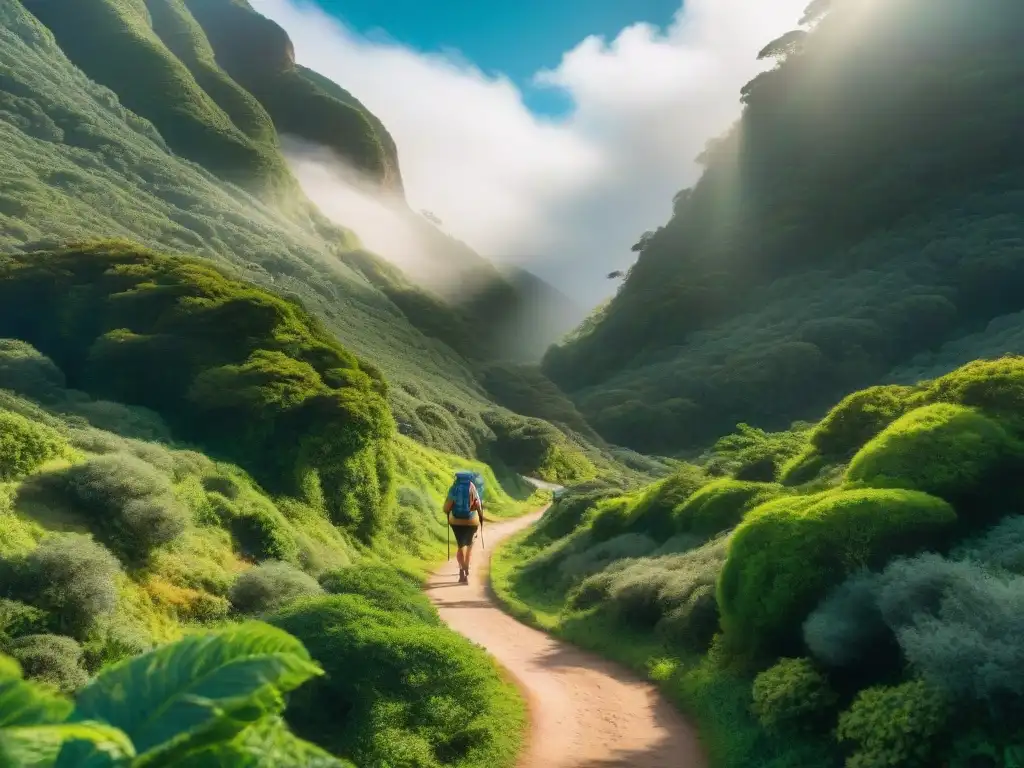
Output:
(863, 212)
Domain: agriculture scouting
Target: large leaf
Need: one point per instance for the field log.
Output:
(23, 703)
(180, 690)
(67, 745)
(266, 744)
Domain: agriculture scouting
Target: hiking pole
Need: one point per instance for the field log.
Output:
(449, 542)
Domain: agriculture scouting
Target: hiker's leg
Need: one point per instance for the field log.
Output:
(469, 554)
(460, 555)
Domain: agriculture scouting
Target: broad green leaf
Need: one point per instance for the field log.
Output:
(24, 703)
(266, 744)
(81, 745)
(179, 690)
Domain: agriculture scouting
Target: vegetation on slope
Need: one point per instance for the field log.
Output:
(258, 54)
(862, 212)
(78, 166)
(863, 614)
(117, 44)
(111, 546)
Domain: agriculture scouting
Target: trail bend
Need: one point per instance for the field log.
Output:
(585, 712)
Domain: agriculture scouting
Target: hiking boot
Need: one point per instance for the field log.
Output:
(463, 576)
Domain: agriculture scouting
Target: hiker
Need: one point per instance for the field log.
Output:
(465, 510)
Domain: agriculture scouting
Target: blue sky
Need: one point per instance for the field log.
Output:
(515, 38)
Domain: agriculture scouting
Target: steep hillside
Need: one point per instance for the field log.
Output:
(865, 210)
(847, 593)
(80, 166)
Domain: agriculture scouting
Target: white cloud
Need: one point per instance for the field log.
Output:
(565, 198)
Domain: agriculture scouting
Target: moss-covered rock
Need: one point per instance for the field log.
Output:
(947, 450)
(787, 554)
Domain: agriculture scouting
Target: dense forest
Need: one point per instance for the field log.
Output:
(859, 224)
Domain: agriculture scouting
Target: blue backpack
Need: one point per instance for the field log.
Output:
(460, 494)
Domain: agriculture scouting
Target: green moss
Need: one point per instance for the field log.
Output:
(946, 450)
(25, 445)
(787, 554)
(245, 372)
(720, 505)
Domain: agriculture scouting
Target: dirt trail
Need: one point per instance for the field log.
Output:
(585, 712)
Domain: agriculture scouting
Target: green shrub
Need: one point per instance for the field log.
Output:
(258, 528)
(570, 509)
(18, 619)
(52, 659)
(25, 444)
(270, 586)
(949, 451)
(961, 627)
(394, 687)
(610, 517)
(845, 429)
(383, 587)
(993, 386)
(899, 725)
(858, 418)
(26, 371)
(653, 512)
(693, 624)
(128, 502)
(720, 505)
(847, 628)
(792, 695)
(787, 554)
(673, 594)
(72, 578)
(1002, 546)
(752, 454)
(534, 447)
(648, 591)
(577, 566)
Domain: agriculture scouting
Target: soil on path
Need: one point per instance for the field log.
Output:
(585, 712)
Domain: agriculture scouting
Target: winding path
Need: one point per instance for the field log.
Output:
(585, 712)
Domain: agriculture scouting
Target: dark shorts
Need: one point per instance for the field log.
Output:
(464, 534)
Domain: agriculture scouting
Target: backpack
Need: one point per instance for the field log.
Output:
(460, 494)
